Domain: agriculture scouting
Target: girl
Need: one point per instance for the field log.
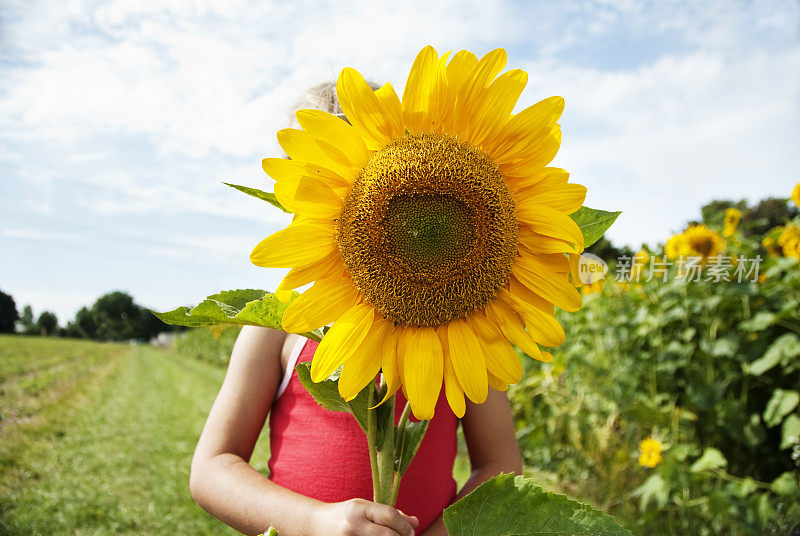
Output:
(320, 479)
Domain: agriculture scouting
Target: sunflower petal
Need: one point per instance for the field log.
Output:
(423, 370)
(553, 287)
(502, 361)
(282, 169)
(363, 110)
(495, 108)
(302, 146)
(467, 360)
(550, 222)
(302, 275)
(512, 328)
(527, 129)
(299, 244)
(364, 364)
(327, 126)
(473, 88)
(341, 340)
(545, 328)
(323, 303)
(417, 93)
(392, 110)
(452, 389)
(566, 198)
(535, 156)
(389, 364)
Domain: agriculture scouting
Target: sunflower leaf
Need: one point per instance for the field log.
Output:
(507, 505)
(326, 394)
(593, 223)
(251, 307)
(260, 194)
(407, 443)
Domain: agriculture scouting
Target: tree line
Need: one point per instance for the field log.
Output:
(113, 317)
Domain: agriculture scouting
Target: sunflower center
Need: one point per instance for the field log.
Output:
(428, 230)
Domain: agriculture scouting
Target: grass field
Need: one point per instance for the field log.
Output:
(96, 439)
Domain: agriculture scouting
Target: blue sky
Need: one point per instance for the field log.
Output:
(119, 120)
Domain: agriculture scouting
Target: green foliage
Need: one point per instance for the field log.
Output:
(326, 393)
(514, 506)
(593, 223)
(259, 194)
(47, 323)
(213, 344)
(105, 445)
(8, 313)
(710, 369)
(243, 307)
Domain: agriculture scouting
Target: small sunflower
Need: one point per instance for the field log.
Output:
(789, 240)
(732, 218)
(796, 194)
(432, 228)
(695, 241)
(639, 261)
(650, 450)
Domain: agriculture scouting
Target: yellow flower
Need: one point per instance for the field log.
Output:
(789, 241)
(695, 241)
(650, 452)
(592, 288)
(432, 229)
(732, 218)
(770, 246)
(796, 194)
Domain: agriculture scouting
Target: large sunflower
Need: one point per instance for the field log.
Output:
(432, 229)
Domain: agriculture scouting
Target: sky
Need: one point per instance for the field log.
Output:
(120, 120)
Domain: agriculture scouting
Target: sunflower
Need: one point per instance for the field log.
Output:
(789, 240)
(650, 450)
(695, 241)
(433, 230)
(732, 218)
(796, 194)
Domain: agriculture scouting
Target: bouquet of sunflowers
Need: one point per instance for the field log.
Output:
(437, 239)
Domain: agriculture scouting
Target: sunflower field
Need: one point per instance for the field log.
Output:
(674, 402)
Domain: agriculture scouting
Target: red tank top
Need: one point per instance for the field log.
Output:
(308, 443)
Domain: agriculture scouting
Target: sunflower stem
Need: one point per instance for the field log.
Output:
(371, 439)
(386, 455)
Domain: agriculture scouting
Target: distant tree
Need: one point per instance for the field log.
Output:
(47, 323)
(116, 317)
(8, 313)
(26, 321)
(768, 213)
(84, 325)
(714, 212)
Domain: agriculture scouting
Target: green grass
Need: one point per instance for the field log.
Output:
(98, 438)
(102, 443)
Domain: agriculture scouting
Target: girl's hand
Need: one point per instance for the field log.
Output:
(358, 517)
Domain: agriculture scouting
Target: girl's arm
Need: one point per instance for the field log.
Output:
(224, 484)
(492, 445)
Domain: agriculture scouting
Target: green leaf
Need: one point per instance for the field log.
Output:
(326, 394)
(264, 196)
(760, 321)
(779, 406)
(786, 484)
(654, 488)
(406, 443)
(782, 350)
(507, 505)
(271, 532)
(244, 307)
(593, 223)
(711, 459)
(790, 431)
